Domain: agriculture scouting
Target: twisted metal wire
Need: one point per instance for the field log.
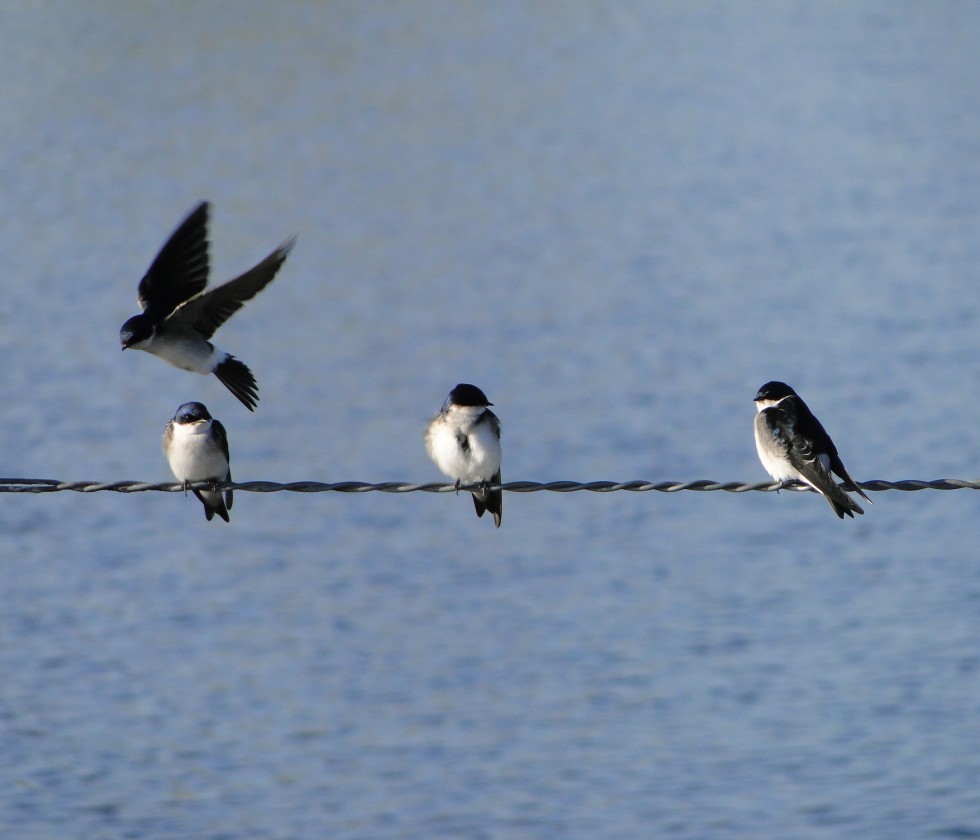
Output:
(47, 485)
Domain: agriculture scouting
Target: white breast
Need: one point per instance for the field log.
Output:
(773, 458)
(186, 351)
(479, 462)
(194, 455)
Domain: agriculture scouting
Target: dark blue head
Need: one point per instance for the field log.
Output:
(774, 392)
(137, 329)
(191, 412)
(466, 395)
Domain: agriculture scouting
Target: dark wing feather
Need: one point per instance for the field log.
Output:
(208, 311)
(811, 427)
(180, 270)
(493, 500)
(806, 446)
(837, 466)
(494, 422)
(222, 437)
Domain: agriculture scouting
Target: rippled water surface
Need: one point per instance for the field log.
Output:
(618, 219)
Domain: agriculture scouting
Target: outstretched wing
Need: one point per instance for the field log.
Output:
(208, 311)
(180, 270)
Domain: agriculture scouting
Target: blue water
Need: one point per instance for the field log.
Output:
(619, 220)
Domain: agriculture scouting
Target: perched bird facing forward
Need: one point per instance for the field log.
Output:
(196, 446)
(179, 317)
(792, 444)
(463, 440)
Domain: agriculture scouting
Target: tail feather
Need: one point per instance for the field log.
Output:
(842, 503)
(819, 478)
(238, 379)
(490, 500)
(215, 503)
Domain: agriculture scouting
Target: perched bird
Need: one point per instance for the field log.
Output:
(179, 317)
(196, 447)
(464, 442)
(792, 444)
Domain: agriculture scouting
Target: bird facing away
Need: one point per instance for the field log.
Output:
(463, 440)
(179, 317)
(792, 444)
(196, 446)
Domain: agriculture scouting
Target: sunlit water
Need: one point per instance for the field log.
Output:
(618, 220)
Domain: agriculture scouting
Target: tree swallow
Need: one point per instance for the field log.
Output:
(196, 447)
(464, 442)
(792, 444)
(179, 317)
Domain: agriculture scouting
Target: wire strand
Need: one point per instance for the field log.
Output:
(50, 485)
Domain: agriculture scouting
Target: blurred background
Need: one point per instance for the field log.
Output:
(619, 220)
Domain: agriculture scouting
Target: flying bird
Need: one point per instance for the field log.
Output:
(792, 444)
(463, 440)
(179, 316)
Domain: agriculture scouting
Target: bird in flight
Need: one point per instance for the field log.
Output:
(179, 317)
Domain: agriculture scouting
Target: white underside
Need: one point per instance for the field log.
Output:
(185, 351)
(193, 455)
(480, 463)
(777, 466)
